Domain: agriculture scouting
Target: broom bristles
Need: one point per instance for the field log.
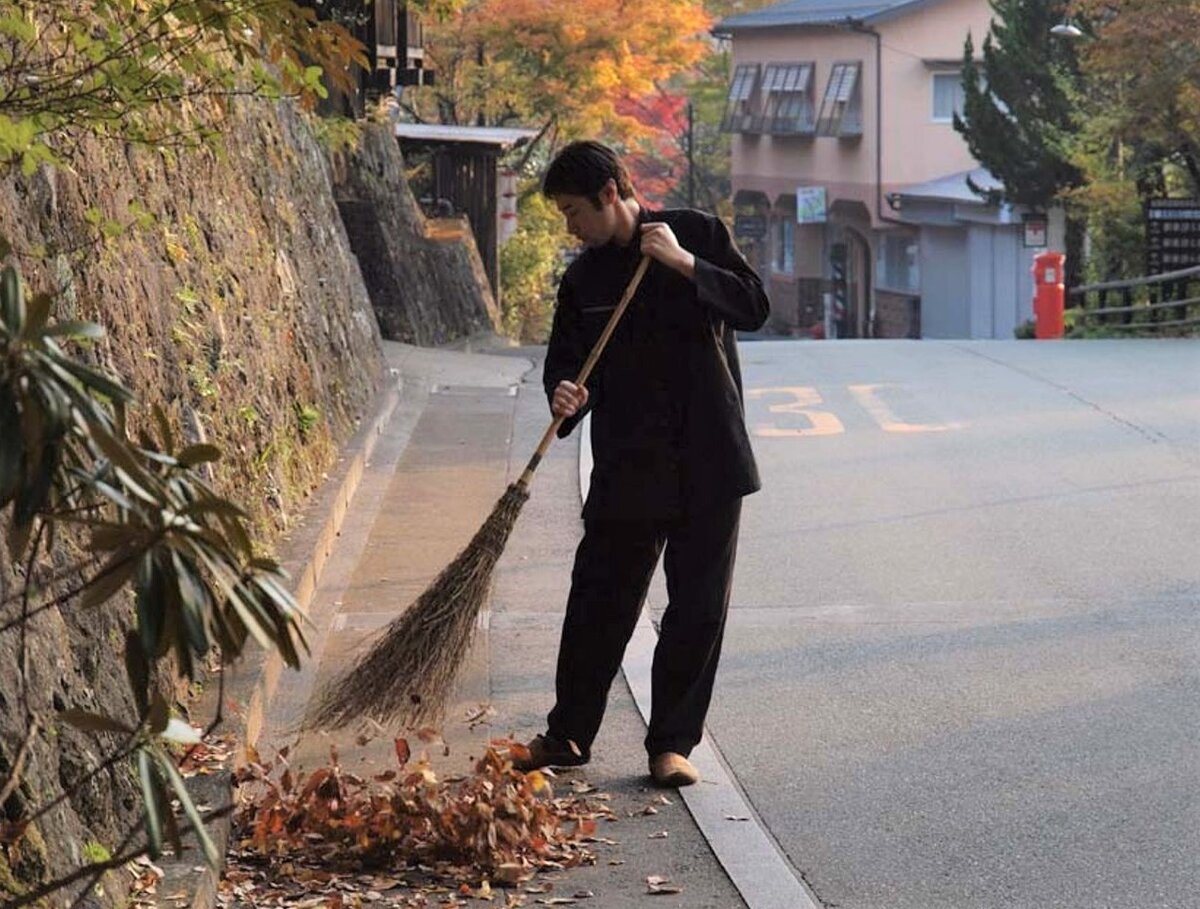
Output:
(408, 673)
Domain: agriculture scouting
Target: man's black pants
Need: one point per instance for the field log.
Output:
(613, 567)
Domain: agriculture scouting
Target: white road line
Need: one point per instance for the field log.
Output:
(759, 870)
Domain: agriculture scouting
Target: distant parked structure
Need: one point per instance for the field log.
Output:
(850, 184)
(394, 37)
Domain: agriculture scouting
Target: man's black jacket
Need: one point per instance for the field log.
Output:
(668, 429)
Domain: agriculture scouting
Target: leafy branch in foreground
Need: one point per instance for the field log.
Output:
(134, 71)
(147, 521)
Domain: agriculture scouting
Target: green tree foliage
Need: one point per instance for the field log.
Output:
(138, 70)
(1018, 104)
(1143, 71)
(529, 262)
(1139, 128)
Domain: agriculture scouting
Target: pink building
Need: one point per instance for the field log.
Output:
(850, 183)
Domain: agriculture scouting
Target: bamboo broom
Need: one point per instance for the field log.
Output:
(408, 673)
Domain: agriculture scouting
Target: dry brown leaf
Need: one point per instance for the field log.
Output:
(661, 885)
(512, 873)
(479, 715)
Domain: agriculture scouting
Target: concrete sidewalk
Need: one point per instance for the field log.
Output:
(465, 426)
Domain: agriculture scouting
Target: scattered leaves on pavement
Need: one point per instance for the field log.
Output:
(143, 892)
(207, 757)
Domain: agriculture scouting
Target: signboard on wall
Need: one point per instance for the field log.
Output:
(750, 227)
(1172, 234)
(1034, 230)
(506, 209)
(810, 205)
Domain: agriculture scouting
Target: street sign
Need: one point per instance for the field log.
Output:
(750, 227)
(810, 205)
(1034, 233)
(1172, 234)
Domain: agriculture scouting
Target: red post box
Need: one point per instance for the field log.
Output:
(1048, 295)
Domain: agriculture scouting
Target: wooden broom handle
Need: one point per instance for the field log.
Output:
(588, 365)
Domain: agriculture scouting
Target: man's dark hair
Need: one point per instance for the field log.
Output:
(582, 169)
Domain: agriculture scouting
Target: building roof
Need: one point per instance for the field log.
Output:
(504, 137)
(953, 187)
(817, 12)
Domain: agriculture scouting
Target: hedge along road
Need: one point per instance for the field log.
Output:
(962, 665)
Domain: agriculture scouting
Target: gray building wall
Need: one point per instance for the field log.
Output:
(945, 283)
(976, 280)
(976, 273)
(1001, 280)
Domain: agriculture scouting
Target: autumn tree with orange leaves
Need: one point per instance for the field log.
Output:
(589, 69)
(563, 68)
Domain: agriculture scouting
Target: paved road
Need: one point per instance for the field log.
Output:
(963, 664)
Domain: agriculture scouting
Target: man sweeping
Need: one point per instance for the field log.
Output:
(672, 458)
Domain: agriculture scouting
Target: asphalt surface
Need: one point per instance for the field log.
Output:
(962, 666)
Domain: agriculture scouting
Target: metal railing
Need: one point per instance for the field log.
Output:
(1160, 304)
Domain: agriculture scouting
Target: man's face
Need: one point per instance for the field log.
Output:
(592, 226)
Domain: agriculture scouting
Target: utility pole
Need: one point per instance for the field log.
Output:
(691, 157)
(480, 120)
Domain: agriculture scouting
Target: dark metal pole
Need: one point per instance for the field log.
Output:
(480, 120)
(691, 141)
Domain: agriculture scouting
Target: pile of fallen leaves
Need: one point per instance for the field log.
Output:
(496, 825)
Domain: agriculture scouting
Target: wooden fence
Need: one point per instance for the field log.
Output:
(1161, 304)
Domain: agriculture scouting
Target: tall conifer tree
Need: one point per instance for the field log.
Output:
(1016, 115)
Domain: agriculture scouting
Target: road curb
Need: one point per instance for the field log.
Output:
(735, 833)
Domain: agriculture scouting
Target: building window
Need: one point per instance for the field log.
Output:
(788, 103)
(841, 109)
(783, 252)
(739, 107)
(897, 262)
(947, 96)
